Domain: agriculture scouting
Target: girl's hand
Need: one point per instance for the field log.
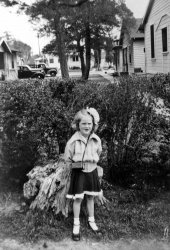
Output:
(102, 199)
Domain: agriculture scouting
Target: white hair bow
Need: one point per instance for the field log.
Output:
(94, 113)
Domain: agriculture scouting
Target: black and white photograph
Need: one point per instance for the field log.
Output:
(84, 124)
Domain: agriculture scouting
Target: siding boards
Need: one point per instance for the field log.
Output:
(139, 55)
(159, 17)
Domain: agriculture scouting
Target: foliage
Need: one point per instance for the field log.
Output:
(160, 86)
(23, 49)
(36, 118)
(90, 22)
(125, 124)
(35, 122)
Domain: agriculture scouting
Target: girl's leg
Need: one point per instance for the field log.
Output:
(90, 209)
(76, 207)
(90, 205)
(76, 212)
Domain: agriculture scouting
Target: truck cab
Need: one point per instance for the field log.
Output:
(48, 70)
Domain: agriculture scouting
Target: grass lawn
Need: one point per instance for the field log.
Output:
(129, 215)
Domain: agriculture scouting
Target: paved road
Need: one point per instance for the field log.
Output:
(94, 75)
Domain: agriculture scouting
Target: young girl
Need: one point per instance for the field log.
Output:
(82, 153)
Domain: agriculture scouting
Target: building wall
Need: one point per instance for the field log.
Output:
(135, 54)
(120, 65)
(160, 18)
(131, 54)
(74, 61)
(103, 58)
(10, 66)
(2, 71)
(138, 55)
(53, 61)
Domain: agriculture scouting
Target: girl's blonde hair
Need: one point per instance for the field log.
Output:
(78, 117)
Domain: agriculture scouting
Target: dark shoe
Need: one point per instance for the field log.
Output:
(76, 237)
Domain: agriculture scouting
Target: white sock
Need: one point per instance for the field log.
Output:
(92, 223)
(76, 227)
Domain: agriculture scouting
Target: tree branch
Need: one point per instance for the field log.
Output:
(68, 4)
(9, 3)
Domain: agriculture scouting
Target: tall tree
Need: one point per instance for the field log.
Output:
(88, 24)
(91, 23)
(55, 17)
(93, 15)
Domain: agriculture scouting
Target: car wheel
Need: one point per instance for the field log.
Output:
(53, 74)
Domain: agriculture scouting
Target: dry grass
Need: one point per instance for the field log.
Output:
(125, 217)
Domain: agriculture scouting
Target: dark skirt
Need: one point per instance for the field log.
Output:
(83, 183)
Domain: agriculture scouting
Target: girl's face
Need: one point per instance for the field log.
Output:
(86, 125)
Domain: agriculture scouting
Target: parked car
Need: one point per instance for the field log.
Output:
(48, 70)
(24, 71)
(110, 70)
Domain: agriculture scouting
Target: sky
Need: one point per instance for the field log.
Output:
(21, 29)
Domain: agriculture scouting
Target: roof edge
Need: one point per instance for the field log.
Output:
(146, 15)
(8, 48)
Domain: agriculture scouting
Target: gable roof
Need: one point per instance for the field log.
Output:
(4, 44)
(7, 46)
(147, 13)
(134, 31)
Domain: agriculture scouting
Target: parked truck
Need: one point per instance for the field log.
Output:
(48, 70)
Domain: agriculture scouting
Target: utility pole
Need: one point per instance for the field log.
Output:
(38, 36)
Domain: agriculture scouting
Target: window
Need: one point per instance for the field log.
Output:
(75, 58)
(12, 61)
(124, 56)
(164, 40)
(130, 54)
(25, 69)
(51, 60)
(118, 56)
(2, 65)
(152, 41)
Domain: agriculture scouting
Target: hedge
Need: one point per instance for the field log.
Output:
(35, 119)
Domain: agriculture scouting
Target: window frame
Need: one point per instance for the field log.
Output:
(75, 58)
(12, 61)
(2, 63)
(51, 60)
(152, 40)
(164, 39)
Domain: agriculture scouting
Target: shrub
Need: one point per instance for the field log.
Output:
(36, 118)
(35, 123)
(160, 86)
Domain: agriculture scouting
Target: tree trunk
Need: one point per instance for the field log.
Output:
(99, 58)
(81, 51)
(61, 50)
(48, 185)
(88, 51)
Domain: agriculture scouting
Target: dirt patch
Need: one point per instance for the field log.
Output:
(85, 244)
